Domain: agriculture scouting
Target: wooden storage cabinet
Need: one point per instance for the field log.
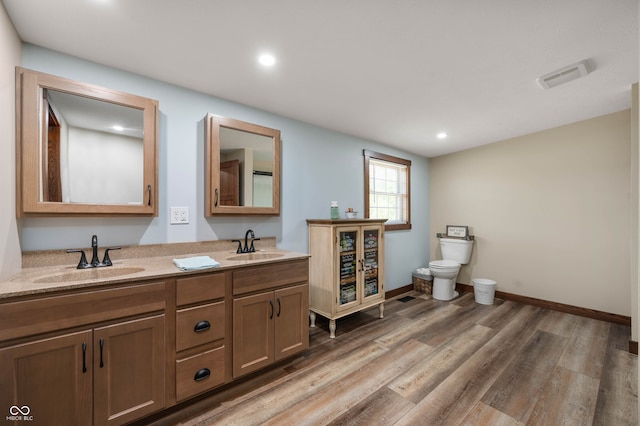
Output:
(270, 308)
(101, 375)
(128, 370)
(200, 334)
(51, 377)
(346, 267)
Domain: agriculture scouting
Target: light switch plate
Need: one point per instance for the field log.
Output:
(179, 215)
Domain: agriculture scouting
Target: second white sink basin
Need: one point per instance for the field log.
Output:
(256, 256)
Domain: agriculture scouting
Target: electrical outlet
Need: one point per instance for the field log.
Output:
(179, 215)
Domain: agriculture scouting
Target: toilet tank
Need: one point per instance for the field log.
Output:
(456, 250)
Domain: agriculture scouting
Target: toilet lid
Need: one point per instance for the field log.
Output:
(443, 264)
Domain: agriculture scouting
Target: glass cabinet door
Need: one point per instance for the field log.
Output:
(348, 259)
(371, 254)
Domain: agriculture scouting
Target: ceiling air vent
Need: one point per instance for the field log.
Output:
(564, 75)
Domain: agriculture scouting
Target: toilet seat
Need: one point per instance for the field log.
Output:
(439, 264)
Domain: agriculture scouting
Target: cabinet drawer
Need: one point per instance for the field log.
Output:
(49, 313)
(270, 276)
(209, 319)
(199, 373)
(199, 289)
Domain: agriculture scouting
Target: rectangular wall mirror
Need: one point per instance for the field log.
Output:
(83, 149)
(242, 168)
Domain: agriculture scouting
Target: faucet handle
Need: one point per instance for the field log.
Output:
(239, 246)
(106, 261)
(252, 248)
(83, 264)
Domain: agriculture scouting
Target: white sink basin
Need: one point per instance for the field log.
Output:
(88, 274)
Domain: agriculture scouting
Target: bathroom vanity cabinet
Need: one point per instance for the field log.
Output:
(270, 305)
(346, 272)
(107, 367)
(116, 353)
(200, 334)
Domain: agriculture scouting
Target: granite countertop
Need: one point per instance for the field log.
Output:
(51, 271)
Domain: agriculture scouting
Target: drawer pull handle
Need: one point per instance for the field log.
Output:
(202, 326)
(202, 374)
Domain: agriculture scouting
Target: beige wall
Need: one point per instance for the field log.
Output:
(550, 212)
(10, 56)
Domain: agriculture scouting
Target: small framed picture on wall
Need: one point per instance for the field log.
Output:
(457, 231)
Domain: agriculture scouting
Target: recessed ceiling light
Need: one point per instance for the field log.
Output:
(267, 60)
(442, 135)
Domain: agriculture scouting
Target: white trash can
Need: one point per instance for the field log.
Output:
(484, 290)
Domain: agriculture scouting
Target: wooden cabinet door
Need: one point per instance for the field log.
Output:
(291, 321)
(349, 265)
(230, 183)
(372, 264)
(129, 370)
(252, 332)
(49, 380)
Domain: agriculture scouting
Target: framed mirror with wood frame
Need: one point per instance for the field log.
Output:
(83, 150)
(242, 168)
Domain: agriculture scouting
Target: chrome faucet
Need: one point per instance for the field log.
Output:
(246, 248)
(95, 261)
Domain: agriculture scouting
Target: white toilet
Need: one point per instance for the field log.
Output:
(455, 253)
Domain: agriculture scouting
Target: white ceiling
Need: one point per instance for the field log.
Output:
(395, 72)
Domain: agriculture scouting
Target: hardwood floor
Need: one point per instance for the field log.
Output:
(441, 363)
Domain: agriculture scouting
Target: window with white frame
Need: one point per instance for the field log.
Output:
(387, 189)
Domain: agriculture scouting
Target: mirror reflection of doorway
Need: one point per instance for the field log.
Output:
(53, 186)
(230, 183)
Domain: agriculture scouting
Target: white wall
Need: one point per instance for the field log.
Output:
(10, 56)
(550, 212)
(104, 167)
(318, 166)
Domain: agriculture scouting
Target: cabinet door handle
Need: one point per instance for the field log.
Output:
(279, 307)
(271, 303)
(202, 374)
(202, 326)
(84, 357)
(215, 202)
(101, 348)
(149, 191)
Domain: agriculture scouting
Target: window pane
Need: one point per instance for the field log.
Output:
(388, 183)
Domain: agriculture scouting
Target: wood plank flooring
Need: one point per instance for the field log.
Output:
(441, 363)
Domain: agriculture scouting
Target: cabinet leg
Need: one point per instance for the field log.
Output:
(332, 329)
(381, 310)
(312, 319)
